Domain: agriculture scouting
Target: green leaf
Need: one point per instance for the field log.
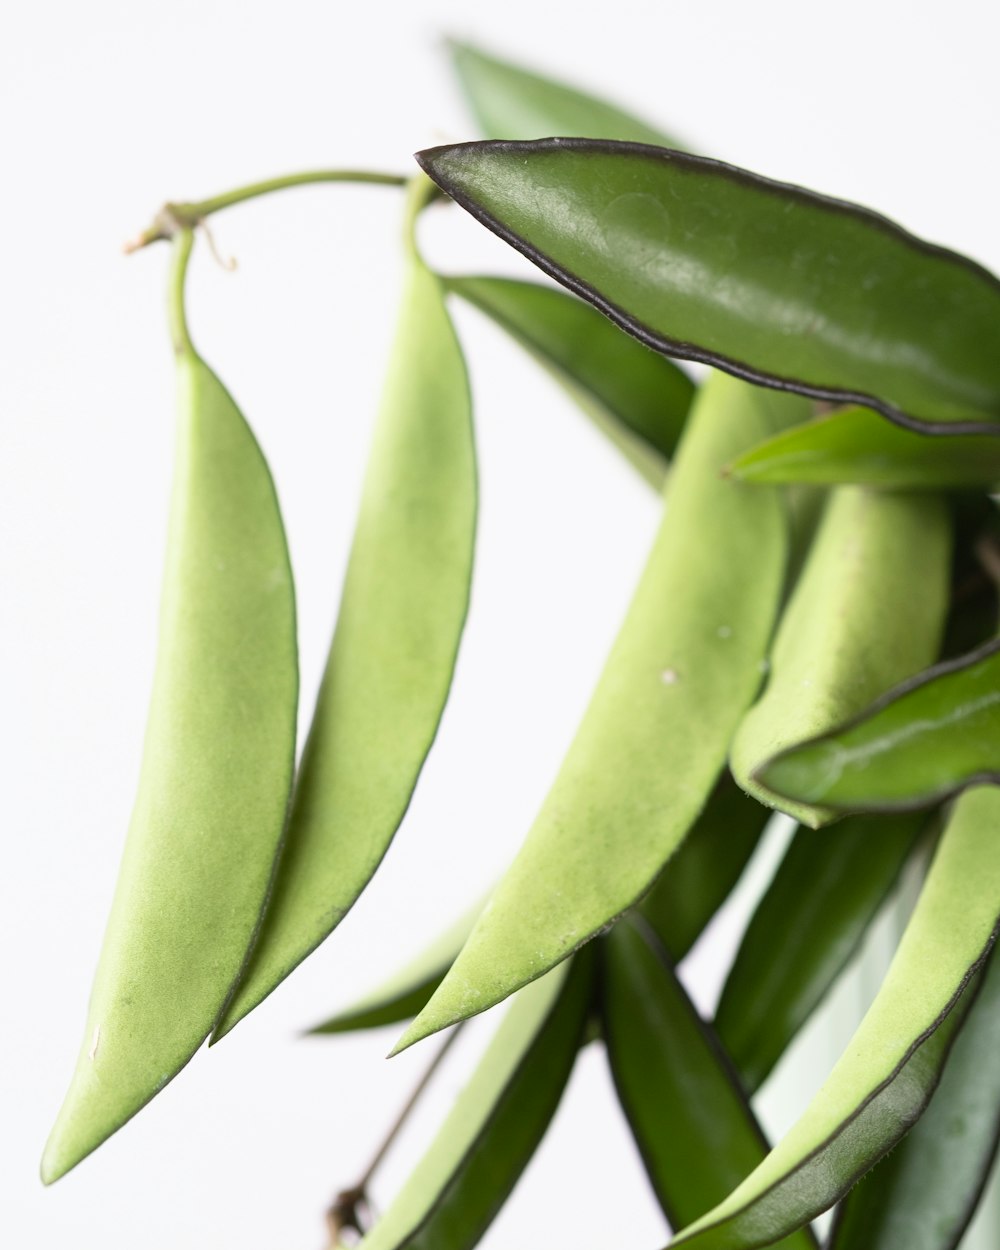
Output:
(924, 1194)
(394, 650)
(216, 773)
(855, 445)
(636, 775)
(706, 866)
(930, 737)
(867, 611)
(509, 102)
(890, 1068)
(691, 1119)
(637, 398)
(827, 890)
(401, 997)
(772, 282)
(497, 1121)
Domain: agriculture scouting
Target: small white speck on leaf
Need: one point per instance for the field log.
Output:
(724, 631)
(670, 677)
(95, 1041)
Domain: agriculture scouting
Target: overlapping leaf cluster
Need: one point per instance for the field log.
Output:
(797, 641)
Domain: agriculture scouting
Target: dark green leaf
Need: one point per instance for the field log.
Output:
(635, 396)
(509, 102)
(497, 1121)
(928, 738)
(924, 1194)
(636, 776)
(855, 445)
(772, 282)
(885, 1077)
(694, 1127)
(706, 867)
(827, 890)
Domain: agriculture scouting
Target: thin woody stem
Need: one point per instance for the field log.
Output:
(345, 1210)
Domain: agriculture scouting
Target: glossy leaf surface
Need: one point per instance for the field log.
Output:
(406, 993)
(636, 776)
(690, 1117)
(510, 102)
(924, 1194)
(497, 1120)
(772, 282)
(213, 788)
(825, 893)
(637, 398)
(855, 445)
(390, 666)
(927, 739)
(867, 611)
(892, 1064)
(700, 876)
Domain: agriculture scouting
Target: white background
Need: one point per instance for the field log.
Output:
(112, 106)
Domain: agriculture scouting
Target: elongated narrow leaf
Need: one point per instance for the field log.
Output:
(405, 994)
(215, 778)
(827, 890)
(924, 1194)
(510, 102)
(700, 876)
(855, 445)
(772, 282)
(496, 1123)
(928, 738)
(867, 611)
(890, 1068)
(637, 398)
(393, 653)
(647, 754)
(688, 1112)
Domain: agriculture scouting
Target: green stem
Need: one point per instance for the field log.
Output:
(183, 242)
(186, 215)
(419, 193)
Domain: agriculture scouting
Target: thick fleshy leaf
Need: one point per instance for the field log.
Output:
(855, 445)
(216, 773)
(645, 759)
(867, 611)
(700, 876)
(826, 891)
(772, 282)
(924, 1194)
(636, 397)
(930, 737)
(406, 993)
(390, 666)
(497, 1121)
(689, 1114)
(885, 1077)
(509, 102)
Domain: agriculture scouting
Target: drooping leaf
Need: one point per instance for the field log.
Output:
(770, 281)
(406, 993)
(867, 611)
(927, 739)
(855, 445)
(889, 1070)
(509, 102)
(216, 773)
(390, 666)
(636, 397)
(923, 1195)
(825, 893)
(694, 1127)
(638, 773)
(706, 866)
(497, 1121)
